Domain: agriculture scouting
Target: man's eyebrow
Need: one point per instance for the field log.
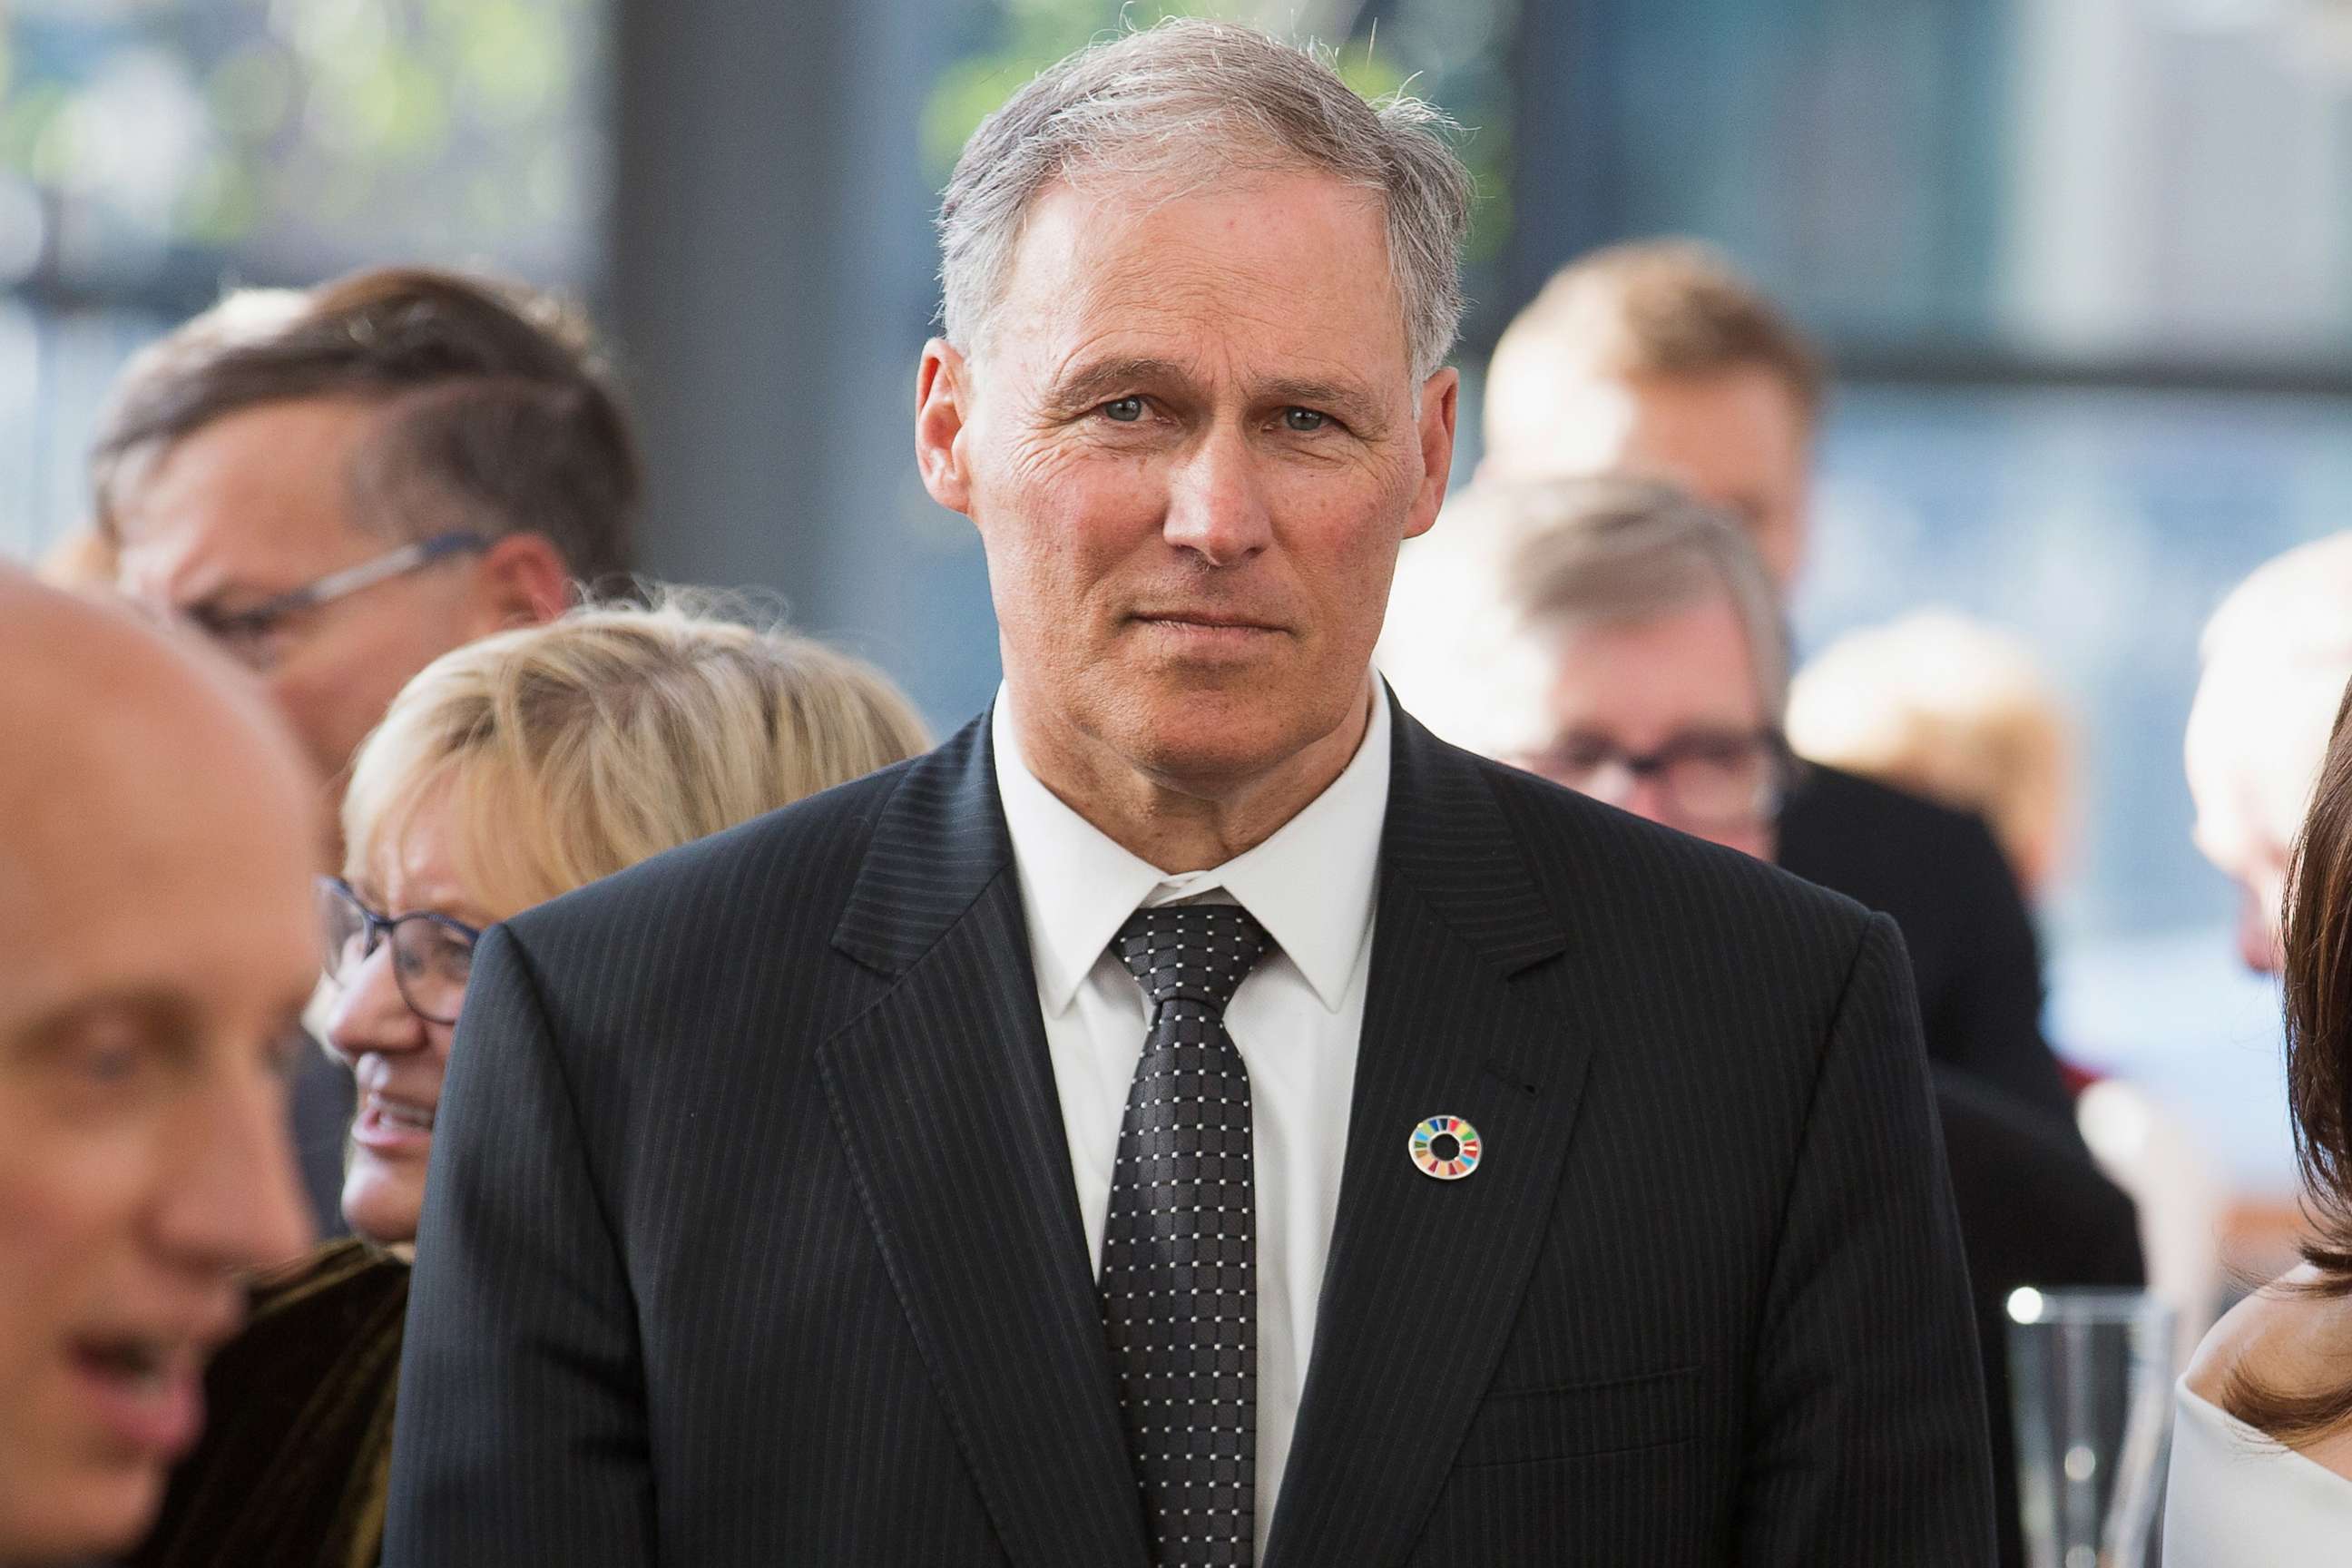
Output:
(1085, 385)
(151, 1012)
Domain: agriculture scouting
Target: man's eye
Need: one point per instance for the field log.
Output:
(109, 1063)
(1304, 421)
(1126, 410)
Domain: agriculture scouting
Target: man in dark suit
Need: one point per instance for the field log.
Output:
(1656, 358)
(1194, 1115)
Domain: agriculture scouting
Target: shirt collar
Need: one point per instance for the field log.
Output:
(1311, 884)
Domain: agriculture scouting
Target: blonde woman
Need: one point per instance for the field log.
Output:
(507, 772)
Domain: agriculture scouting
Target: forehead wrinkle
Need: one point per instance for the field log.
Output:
(1098, 267)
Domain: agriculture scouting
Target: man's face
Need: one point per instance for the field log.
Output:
(1192, 445)
(257, 503)
(154, 958)
(1662, 718)
(1736, 439)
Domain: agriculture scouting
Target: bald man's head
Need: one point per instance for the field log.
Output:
(156, 953)
(2277, 656)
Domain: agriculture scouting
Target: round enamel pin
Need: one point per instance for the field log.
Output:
(1445, 1147)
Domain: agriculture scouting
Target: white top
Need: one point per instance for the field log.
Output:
(1295, 1020)
(2239, 1500)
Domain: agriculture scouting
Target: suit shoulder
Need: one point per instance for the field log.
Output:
(1877, 818)
(799, 851)
(1577, 843)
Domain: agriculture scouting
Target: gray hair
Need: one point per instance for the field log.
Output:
(1192, 100)
(1478, 602)
(1616, 551)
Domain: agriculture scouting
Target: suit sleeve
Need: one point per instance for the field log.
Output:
(1866, 1424)
(521, 1435)
(1988, 1021)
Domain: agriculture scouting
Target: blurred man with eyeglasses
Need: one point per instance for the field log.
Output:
(1622, 640)
(1627, 641)
(339, 485)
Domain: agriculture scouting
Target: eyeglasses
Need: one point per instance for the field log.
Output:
(431, 954)
(247, 635)
(1703, 780)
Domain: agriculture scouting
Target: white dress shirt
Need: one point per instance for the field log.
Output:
(1295, 1020)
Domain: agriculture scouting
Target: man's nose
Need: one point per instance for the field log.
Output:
(370, 1014)
(232, 1200)
(1216, 503)
(1622, 787)
(1644, 797)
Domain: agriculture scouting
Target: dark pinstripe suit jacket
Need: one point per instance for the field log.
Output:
(752, 1238)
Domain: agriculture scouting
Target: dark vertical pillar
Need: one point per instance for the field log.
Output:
(769, 288)
(1563, 194)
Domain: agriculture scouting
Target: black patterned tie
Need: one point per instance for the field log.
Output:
(1178, 1291)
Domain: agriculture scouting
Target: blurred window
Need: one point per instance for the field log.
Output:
(2117, 183)
(153, 150)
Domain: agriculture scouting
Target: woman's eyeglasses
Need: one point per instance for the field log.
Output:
(431, 954)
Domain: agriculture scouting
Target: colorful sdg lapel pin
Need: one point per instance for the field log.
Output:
(1445, 1147)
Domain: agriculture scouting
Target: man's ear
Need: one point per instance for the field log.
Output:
(943, 410)
(519, 580)
(1440, 396)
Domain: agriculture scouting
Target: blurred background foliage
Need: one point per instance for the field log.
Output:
(149, 147)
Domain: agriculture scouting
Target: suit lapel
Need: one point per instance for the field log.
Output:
(944, 1099)
(1425, 1275)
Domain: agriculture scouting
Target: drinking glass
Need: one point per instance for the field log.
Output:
(2091, 1394)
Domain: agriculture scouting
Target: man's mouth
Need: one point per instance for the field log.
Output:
(144, 1390)
(137, 1362)
(1205, 621)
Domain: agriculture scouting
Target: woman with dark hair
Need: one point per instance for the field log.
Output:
(2261, 1455)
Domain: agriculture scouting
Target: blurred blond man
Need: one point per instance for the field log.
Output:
(154, 958)
(1656, 358)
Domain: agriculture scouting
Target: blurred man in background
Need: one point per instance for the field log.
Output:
(339, 485)
(2277, 654)
(155, 951)
(1624, 640)
(1655, 358)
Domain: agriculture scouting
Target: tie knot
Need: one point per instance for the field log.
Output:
(1199, 951)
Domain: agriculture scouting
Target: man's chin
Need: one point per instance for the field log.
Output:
(1213, 743)
(96, 1507)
